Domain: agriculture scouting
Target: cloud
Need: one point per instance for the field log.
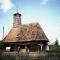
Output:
(6, 5)
(44, 2)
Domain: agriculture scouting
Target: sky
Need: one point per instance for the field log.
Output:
(45, 12)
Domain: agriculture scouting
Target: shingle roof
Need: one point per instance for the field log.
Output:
(30, 32)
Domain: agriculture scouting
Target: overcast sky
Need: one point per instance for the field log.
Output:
(45, 12)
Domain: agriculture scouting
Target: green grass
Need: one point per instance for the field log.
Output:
(54, 48)
(29, 58)
(7, 58)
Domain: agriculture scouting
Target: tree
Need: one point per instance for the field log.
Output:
(56, 42)
(1, 46)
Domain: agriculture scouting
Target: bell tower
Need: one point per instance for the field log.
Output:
(16, 19)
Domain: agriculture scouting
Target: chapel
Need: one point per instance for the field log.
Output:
(25, 38)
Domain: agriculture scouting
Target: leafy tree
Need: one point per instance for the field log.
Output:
(56, 42)
(1, 46)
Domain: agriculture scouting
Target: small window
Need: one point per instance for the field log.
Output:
(8, 48)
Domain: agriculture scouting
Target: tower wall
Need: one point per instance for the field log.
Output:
(16, 20)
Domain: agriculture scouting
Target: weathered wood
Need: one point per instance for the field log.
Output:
(28, 32)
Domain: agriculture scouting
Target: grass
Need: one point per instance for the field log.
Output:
(54, 48)
(7, 58)
(29, 58)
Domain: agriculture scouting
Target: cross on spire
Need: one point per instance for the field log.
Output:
(17, 10)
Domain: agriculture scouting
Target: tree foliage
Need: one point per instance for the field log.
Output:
(1, 46)
(56, 42)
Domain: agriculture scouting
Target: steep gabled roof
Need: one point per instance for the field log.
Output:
(30, 32)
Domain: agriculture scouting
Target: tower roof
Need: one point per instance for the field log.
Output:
(17, 14)
(29, 32)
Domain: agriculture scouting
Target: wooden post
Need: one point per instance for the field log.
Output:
(27, 51)
(18, 57)
(41, 46)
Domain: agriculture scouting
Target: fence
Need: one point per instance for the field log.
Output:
(50, 56)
